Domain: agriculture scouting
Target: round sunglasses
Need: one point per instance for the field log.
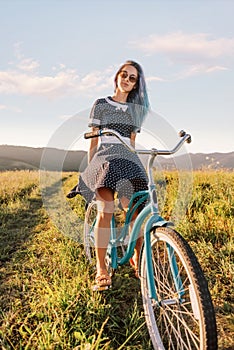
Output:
(124, 75)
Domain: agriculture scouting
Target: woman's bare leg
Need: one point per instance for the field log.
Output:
(139, 242)
(105, 204)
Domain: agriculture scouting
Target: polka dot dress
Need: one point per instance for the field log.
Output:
(113, 165)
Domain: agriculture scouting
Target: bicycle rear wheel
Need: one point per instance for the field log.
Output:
(183, 316)
(89, 238)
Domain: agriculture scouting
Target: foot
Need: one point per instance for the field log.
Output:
(135, 266)
(102, 282)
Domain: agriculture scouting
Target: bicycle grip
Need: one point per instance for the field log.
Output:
(89, 135)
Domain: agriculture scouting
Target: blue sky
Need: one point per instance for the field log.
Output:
(58, 57)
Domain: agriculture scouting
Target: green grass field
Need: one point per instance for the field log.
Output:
(45, 281)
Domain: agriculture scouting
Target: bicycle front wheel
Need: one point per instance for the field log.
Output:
(183, 316)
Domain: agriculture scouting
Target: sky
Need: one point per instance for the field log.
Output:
(58, 57)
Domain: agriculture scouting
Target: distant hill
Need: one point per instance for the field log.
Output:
(213, 160)
(19, 157)
(200, 161)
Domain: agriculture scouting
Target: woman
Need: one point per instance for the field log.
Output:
(112, 168)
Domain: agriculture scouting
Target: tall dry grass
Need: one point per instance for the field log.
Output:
(45, 281)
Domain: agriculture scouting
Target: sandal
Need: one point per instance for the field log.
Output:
(135, 268)
(102, 282)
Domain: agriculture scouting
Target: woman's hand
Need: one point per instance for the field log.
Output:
(132, 139)
(92, 146)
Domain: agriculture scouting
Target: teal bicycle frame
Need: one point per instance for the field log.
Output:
(154, 220)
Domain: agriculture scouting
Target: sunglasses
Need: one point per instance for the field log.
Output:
(124, 75)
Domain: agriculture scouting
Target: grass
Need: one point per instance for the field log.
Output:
(45, 281)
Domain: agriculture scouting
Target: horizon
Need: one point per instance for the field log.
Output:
(83, 150)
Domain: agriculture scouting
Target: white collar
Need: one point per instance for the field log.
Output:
(118, 105)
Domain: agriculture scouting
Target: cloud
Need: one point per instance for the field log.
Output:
(28, 64)
(197, 69)
(16, 82)
(24, 78)
(153, 78)
(10, 108)
(199, 53)
(215, 68)
(58, 84)
(182, 45)
(24, 63)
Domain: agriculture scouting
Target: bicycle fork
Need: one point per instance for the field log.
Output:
(153, 222)
(157, 221)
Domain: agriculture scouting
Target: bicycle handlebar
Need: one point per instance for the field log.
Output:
(185, 138)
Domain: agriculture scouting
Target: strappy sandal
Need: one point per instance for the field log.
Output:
(102, 282)
(135, 268)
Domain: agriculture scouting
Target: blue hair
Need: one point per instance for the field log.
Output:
(138, 97)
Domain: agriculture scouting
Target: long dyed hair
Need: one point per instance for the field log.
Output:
(138, 96)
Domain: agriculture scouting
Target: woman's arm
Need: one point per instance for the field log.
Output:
(132, 139)
(92, 146)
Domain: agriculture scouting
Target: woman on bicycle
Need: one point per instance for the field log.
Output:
(112, 168)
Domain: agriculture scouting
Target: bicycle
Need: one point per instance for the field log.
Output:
(177, 304)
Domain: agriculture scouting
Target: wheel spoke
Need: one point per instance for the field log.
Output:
(182, 323)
